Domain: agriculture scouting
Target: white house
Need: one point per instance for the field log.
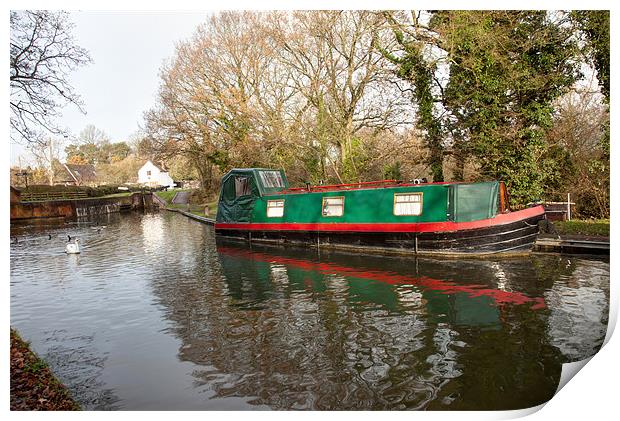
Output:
(154, 176)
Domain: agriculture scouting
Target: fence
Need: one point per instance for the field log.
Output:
(559, 210)
(52, 195)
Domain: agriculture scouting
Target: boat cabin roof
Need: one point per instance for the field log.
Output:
(269, 181)
(363, 185)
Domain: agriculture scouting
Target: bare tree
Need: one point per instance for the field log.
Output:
(46, 155)
(579, 133)
(223, 98)
(43, 53)
(344, 78)
(305, 91)
(92, 135)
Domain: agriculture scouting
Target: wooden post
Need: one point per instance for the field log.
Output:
(51, 174)
(568, 205)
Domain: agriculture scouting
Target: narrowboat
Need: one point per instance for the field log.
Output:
(446, 218)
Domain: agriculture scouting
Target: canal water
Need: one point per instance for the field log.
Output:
(156, 314)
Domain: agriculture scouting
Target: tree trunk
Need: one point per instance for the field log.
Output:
(459, 171)
(205, 174)
(436, 159)
(347, 160)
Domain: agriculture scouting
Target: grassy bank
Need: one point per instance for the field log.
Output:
(33, 385)
(195, 208)
(591, 227)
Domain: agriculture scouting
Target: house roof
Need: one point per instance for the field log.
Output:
(161, 168)
(81, 173)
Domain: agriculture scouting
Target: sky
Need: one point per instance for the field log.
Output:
(128, 50)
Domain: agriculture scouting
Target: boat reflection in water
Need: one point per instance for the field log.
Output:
(339, 331)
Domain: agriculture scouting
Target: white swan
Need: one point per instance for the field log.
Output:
(73, 248)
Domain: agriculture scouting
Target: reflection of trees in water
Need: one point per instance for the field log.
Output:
(511, 367)
(579, 310)
(76, 363)
(292, 336)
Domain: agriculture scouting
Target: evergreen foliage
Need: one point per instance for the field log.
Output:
(506, 69)
(595, 25)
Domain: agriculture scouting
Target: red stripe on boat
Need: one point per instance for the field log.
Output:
(501, 219)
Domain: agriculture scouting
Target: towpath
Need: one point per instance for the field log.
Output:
(181, 198)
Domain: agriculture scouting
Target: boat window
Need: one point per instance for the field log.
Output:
(408, 204)
(271, 179)
(275, 208)
(333, 206)
(242, 186)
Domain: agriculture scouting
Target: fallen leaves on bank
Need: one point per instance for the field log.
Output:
(33, 386)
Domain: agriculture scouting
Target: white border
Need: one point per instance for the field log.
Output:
(592, 394)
